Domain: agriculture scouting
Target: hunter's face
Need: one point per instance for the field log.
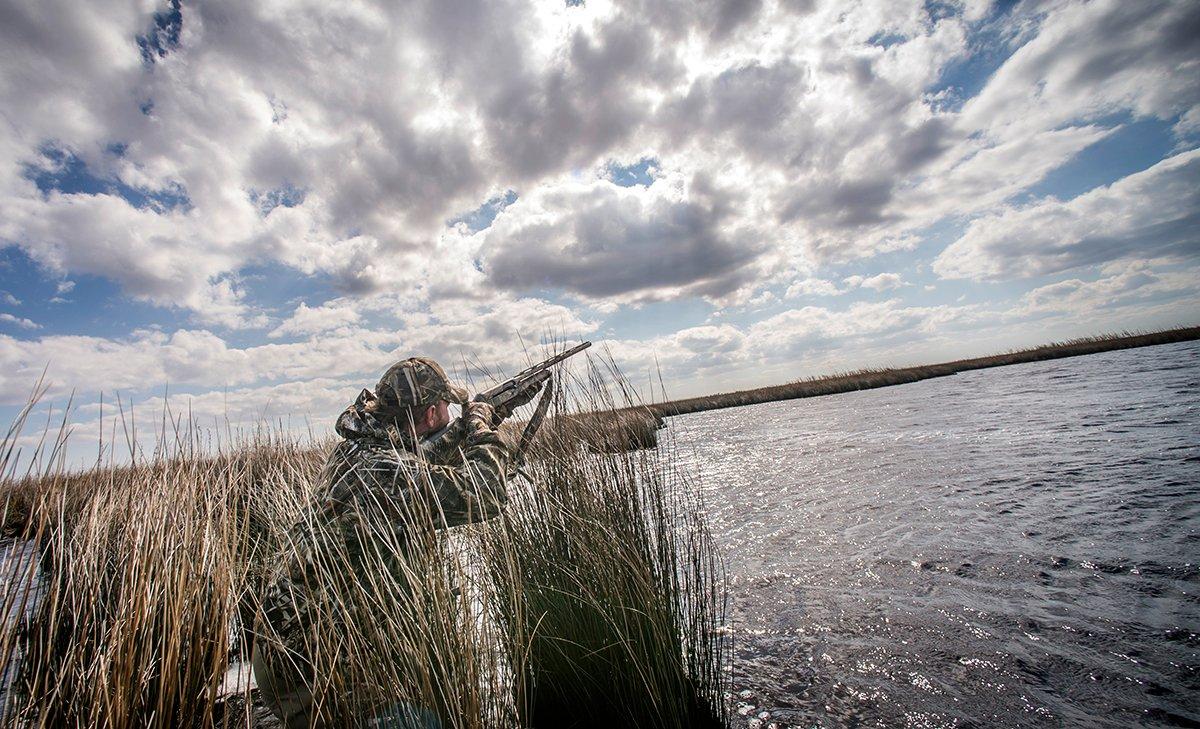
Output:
(441, 416)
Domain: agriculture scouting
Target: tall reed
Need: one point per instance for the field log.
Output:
(613, 591)
(139, 571)
(596, 598)
(391, 619)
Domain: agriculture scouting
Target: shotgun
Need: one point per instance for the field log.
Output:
(505, 397)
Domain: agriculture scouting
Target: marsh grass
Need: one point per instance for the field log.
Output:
(139, 571)
(614, 593)
(596, 600)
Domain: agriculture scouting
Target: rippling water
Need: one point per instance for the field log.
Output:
(1013, 546)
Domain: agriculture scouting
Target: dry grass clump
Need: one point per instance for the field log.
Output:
(137, 573)
(129, 589)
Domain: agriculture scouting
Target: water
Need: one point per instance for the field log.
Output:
(1008, 547)
(21, 589)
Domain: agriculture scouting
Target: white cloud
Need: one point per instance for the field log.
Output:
(19, 321)
(1149, 214)
(154, 255)
(486, 335)
(305, 404)
(598, 240)
(1088, 60)
(1188, 124)
(145, 360)
(313, 320)
(980, 175)
(1124, 285)
(878, 282)
(766, 101)
(789, 332)
(803, 341)
(811, 286)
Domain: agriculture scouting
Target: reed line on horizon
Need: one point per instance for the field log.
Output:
(885, 377)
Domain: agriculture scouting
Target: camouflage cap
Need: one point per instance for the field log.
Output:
(417, 381)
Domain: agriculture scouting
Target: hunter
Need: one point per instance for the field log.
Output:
(374, 481)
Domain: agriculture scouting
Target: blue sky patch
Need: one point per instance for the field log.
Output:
(62, 171)
(886, 39)
(81, 305)
(483, 216)
(163, 36)
(656, 318)
(638, 173)
(990, 47)
(287, 196)
(1135, 146)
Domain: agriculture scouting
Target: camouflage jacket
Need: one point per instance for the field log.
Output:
(378, 486)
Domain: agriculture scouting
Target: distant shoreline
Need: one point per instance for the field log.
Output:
(873, 378)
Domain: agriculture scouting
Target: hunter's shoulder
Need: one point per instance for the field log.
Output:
(356, 461)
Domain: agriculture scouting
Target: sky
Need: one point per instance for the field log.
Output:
(251, 209)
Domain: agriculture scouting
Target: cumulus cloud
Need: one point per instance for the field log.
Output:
(300, 409)
(1120, 285)
(313, 320)
(19, 321)
(802, 341)
(599, 240)
(792, 332)
(82, 361)
(811, 286)
(819, 140)
(305, 406)
(878, 282)
(487, 334)
(750, 108)
(1148, 214)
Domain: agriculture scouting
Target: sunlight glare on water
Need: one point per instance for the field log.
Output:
(1006, 547)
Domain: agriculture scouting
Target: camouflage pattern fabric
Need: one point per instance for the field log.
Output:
(417, 381)
(376, 485)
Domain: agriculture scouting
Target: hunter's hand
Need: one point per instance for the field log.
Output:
(526, 395)
(521, 397)
(479, 416)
